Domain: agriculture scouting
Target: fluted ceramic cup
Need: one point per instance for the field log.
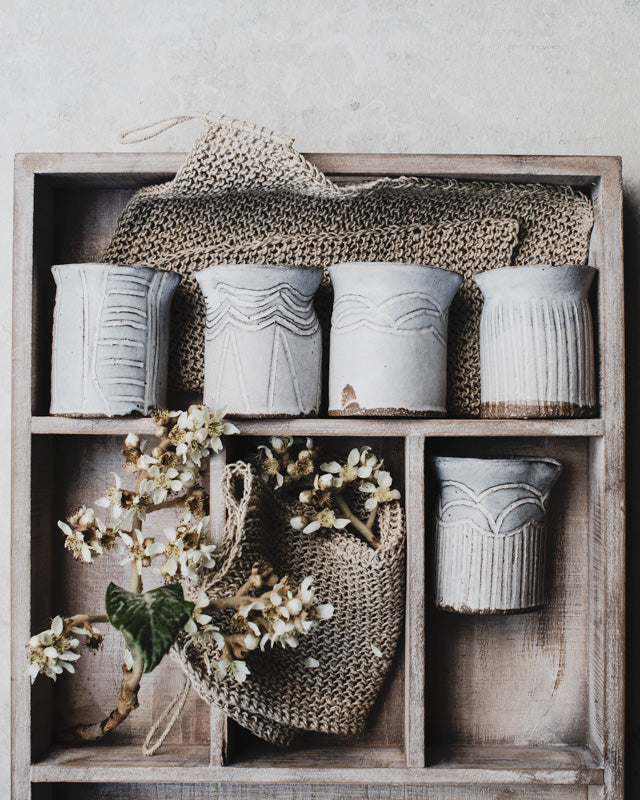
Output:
(388, 354)
(110, 339)
(536, 342)
(490, 538)
(263, 345)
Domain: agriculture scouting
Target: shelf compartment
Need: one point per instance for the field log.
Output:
(518, 680)
(392, 734)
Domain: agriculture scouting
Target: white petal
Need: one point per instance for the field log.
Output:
(354, 457)
(331, 466)
(57, 625)
(367, 488)
(69, 656)
(191, 627)
(66, 529)
(229, 429)
(297, 523)
(34, 671)
(86, 553)
(376, 651)
(394, 494)
(311, 662)
(103, 502)
(279, 480)
(294, 605)
(275, 599)
(170, 533)
(311, 527)
(155, 549)
(384, 478)
(171, 567)
(370, 504)
(325, 611)
(341, 523)
(364, 472)
(51, 652)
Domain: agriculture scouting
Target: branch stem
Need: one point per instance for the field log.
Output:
(362, 529)
(127, 702)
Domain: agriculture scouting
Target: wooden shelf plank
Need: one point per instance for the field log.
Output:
(414, 711)
(542, 766)
(338, 427)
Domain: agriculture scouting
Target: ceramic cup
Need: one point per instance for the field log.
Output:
(388, 354)
(110, 339)
(491, 533)
(263, 346)
(536, 342)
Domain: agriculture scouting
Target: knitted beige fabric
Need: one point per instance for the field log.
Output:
(282, 696)
(246, 193)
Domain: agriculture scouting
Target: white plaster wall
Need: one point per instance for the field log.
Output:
(459, 76)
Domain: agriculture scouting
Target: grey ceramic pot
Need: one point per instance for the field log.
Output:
(263, 345)
(491, 533)
(536, 342)
(388, 353)
(110, 339)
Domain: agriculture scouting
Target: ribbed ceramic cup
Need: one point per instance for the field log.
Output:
(491, 533)
(110, 339)
(388, 354)
(536, 342)
(263, 345)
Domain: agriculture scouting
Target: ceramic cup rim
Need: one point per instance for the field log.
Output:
(252, 267)
(497, 460)
(534, 268)
(386, 264)
(108, 264)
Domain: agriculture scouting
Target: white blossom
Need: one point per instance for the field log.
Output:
(52, 651)
(380, 493)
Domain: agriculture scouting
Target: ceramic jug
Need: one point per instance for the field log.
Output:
(490, 535)
(263, 347)
(536, 342)
(388, 353)
(110, 339)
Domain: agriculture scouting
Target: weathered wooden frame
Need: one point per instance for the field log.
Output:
(592, 769)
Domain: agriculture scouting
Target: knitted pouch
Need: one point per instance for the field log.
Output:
(282, 696)
(245, 193)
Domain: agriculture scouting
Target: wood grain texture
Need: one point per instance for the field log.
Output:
(521, 707)
(525, 767)
(303, 791)
(21, 482)
(415, 645)
(342, 427)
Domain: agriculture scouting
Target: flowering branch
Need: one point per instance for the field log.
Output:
(331, 481)
(266, 609)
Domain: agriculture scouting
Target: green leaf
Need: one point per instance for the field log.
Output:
(149, 621)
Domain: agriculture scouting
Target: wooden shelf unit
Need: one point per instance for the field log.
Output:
(531, 705)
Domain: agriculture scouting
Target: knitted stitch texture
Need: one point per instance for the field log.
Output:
(245, 194)
(282, 696)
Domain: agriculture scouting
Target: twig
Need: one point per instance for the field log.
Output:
(362, 529)
(127, 702)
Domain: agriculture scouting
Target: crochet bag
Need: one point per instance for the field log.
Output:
(245, 194)
(355, 647)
